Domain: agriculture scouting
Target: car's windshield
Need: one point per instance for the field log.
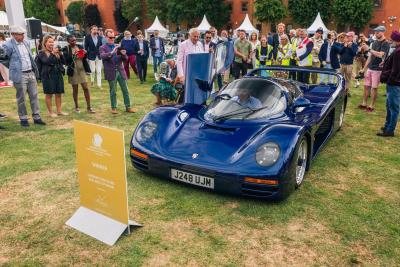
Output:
(248, 98)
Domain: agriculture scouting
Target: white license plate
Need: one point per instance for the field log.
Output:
(192, 178)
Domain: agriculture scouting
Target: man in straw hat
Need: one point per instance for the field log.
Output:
(23, 71)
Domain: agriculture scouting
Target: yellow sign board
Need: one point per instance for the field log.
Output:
(100, 154)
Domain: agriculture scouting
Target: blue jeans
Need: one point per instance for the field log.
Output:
(392, 107)
(326, 78)
(156, 62)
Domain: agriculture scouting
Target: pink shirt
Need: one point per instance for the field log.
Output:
(185, 48)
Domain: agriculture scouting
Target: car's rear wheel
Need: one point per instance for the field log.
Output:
(301, 161)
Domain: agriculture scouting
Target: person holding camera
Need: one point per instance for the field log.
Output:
(50, 61)
(114, 58)
(329, 56)
(77, 69)
(373, 67)
(347, 54)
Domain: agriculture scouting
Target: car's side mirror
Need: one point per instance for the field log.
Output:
(300, 103)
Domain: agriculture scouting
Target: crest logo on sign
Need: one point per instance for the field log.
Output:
(97, 140)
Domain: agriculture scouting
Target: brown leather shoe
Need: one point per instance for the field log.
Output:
(131, 110)
(385, 134)
(114, 111)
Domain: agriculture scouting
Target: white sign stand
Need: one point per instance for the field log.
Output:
(99, 226)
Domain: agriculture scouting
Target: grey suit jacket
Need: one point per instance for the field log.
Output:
(14, 57)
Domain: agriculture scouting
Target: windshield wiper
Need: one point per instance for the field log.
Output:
(231, 114)
(255, 110)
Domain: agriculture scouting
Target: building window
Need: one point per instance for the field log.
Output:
(377, 3)
(244, 7)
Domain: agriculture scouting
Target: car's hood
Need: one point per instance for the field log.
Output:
(209, 143)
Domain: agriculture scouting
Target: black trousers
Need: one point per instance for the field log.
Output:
(141, 65)
(293, 74)
(237, 68)
(303, 77)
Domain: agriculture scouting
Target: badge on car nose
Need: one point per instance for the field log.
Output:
(195, 155)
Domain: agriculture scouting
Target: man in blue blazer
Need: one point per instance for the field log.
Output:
(93, 41)
(329, 56)
(141, 50)
(157, 50)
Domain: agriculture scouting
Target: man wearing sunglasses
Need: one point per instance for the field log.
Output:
(208, 44)
(113, 60)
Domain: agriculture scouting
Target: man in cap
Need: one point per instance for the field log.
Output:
(391, 76)
(23, 71)
(318, 42)
(373, 67)
(347, 54)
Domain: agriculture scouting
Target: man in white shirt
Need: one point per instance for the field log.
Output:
(190, 46)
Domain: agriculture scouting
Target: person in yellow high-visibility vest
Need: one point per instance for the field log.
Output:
(284, 51)
(263, 54)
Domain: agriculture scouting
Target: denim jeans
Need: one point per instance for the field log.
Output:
(392, 107)
(156, 62)
(326, 78)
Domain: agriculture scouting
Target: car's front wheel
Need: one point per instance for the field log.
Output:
(301, 161)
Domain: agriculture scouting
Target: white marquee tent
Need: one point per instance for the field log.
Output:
(204, 25)
(318, 23)
(45, 27)
(247, 26)
(157, 26)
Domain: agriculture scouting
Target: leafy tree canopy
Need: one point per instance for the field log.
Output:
(45, 10)
(352, 13)
(92, 16)
(304, 12)
(270, 10)
(75, 12)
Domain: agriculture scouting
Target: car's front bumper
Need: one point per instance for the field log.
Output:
(223, 181)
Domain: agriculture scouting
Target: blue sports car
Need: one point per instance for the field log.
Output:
(256, 137)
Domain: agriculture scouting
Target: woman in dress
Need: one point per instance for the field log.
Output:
(165, 90)
(254, 43)
(77, 69)
(50, 61)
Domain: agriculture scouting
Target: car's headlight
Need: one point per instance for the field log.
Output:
(268, 154)
(146, 131)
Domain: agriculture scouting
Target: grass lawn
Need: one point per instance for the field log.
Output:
(346, 213)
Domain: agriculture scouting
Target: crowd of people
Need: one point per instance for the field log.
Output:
(356, 57)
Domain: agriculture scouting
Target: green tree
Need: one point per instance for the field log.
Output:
(120, 21)
(271, 11)
(304, 12)
(217, 11)
(157, 8)
(132, 9)
(92, 15)
(45, 10)
(75, 12)
(352, 13)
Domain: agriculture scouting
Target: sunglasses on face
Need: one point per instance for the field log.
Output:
(208, 37)
(111, 38)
